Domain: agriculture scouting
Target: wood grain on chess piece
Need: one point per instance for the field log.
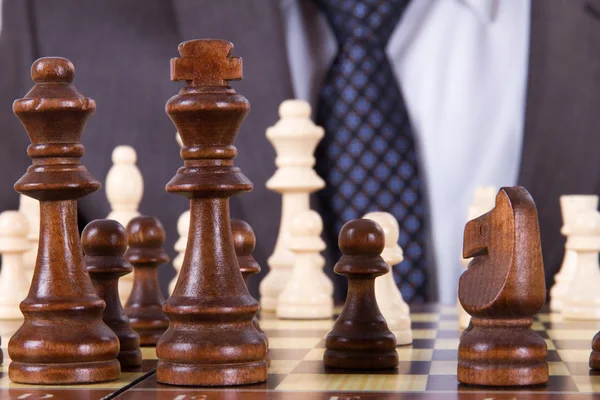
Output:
(244, 242)
(146, 237)
(360, 338)
(211, 339)
(502, 290)
(62, 310)
(104, 242)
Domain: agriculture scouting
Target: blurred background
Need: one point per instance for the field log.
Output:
(422, 102)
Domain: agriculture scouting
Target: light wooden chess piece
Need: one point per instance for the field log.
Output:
(389, 299)
(570, 206)
(183, 228)
(483, 201)
(301, 298)
(583, 299)
(14, 285)
(30, 207)
(295, 138)
(124, 190)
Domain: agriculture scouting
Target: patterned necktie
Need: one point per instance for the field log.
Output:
(368, 154)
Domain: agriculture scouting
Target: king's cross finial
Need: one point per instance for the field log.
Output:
(206, 63)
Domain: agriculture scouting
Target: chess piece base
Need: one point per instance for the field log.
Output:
(496, 356)
(311, 311)
(403, 337)
(211, 374)
(367, 359)
(130, 358)
(67, 373)
(272, 286)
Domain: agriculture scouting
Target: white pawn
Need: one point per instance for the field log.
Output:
(570, 206)
(14, 284)
(583, 298)
(30, 208)
(484, 200)
(124, 190)
(295, 138)
(183, 227)
(389, 299)
(301, 298)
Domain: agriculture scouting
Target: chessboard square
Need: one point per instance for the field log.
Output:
(413, 354)
(553, 356)
(446, 344)
(445, 355)
(587, 383)
(538, 326)
(550, 344)
(149, 353)
(424, 317)
(449, 310)
(292, 325)
(558, 383)
(423, 343)
(423, 325)
(558, 368)
(424, 333)
(574, 355)
(443, 368)
(449, 325)
(580, 368)
(443, 334)
(287, 354)
(370, 382)
(315, 354)
(283, 366)
(442, 383)
(293, 342)
(573, 344)
(571, 334)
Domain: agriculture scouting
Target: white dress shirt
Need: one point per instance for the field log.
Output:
(462, 66)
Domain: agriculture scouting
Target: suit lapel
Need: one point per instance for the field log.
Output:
(560, 142)
(255, 27)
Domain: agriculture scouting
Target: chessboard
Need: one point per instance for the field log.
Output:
(427, 367)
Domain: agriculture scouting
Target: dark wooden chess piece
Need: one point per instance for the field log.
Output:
(104, 242)
(63, 339)
(502, 290)
(146, 236)
(360, 338)
(244, 242)
(211, 339)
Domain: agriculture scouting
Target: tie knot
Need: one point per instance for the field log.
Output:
(368, 20)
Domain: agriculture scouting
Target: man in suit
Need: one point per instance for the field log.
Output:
(502, 93)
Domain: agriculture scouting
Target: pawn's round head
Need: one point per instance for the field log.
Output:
(52, 69)
(244, 239)
(13, 224)
(361, 237)
(124, 155)
(307, 224)
(389, 224)
(145, 232)
(294, 109)
(104, 237)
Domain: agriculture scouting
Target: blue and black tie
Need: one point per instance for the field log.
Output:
(368, 156)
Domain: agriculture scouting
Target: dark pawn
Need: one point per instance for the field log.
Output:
(104, 243)
(595, 355)
(360, 338)
(244, 242)
(146, 237)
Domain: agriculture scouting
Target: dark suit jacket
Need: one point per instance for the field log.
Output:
(121, 51)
